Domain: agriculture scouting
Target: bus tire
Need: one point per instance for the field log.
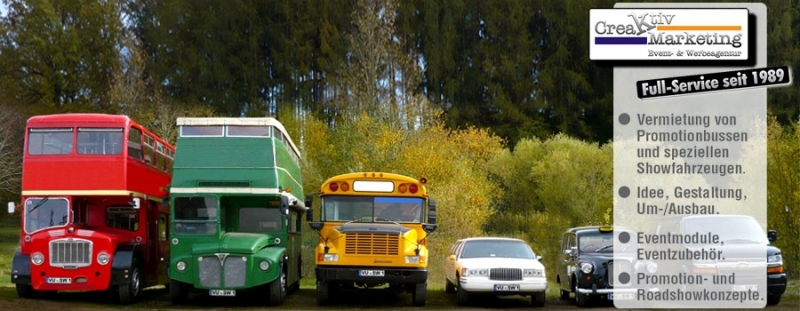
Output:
(323, 297)
(277, 289)
(178, 292)
(130, 292)
(420, 294)
(26, 291)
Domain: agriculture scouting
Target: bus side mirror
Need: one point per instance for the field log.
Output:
(136, 203)
(772, 235)
(11, 207)
(284, 206)
(309, 215)
(309, 201)
(432, 212)
(165, 201)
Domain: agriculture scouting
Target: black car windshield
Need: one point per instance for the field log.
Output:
(497, 248)
(742, 230)
(593, 242)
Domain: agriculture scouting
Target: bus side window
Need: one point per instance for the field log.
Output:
(122, 217)
(135, 143)
(163, 220)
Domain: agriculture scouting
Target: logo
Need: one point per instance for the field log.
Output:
(382, 261)
(668, 34)
(221, 257)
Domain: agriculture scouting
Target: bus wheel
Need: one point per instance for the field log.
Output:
(277, 289)
(129, 293)
(26, 291)
(322, 293)
(420, 294)
(177, 292)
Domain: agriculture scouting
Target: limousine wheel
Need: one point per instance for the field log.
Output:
(449, 287)
(462, 296)
(537, 300)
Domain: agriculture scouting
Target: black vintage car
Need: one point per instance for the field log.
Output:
(587, 264)
(739, 237)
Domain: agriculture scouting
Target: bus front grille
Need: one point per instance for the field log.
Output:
(371, 244)
(70, 253)
(235, 271)
(209, 269)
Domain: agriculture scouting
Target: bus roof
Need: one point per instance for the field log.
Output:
(373, 175)
(78, 117)
(240, 121)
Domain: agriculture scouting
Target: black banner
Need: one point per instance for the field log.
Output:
(718, 81)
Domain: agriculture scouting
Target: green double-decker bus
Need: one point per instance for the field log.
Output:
(236, 208)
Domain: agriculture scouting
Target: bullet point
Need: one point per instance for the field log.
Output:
(624, 192)
(624, 277)
(624, 237)
(624, 119)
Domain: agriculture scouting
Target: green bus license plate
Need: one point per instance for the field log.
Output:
(506, 288)
(222, 292)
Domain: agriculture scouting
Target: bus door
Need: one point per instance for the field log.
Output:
(152, 261)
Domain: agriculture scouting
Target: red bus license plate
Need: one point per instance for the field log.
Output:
(59, 281)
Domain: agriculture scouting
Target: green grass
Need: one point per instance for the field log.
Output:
(9, 241)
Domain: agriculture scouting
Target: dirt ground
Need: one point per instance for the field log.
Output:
(304, 299)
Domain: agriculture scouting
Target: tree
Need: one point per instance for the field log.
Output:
(59, 55)
(134, 93)
(11, 141)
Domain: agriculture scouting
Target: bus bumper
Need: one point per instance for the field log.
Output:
(353, 274)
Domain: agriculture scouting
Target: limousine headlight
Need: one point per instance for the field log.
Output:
(532, 272)
(475, 272)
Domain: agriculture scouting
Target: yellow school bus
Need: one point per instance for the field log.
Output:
(373, 231)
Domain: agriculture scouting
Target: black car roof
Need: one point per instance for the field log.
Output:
(594, 228)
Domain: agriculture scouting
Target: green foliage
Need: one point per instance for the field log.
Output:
(549, 186)
(783, 190)
(59, 55)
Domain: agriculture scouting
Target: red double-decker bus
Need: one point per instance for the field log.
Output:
(93, 210)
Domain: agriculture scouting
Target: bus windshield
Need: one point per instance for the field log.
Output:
(43, 213)
(196, 215)
(372, 209)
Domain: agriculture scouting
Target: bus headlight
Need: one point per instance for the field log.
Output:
(37, 258)
(264, 265)
(103, 258)
(180, 266)
(330, 257)
(412, 259)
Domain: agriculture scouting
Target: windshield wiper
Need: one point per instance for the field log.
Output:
(604, 247)
(38, 205)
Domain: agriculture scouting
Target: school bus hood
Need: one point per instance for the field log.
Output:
(359, 227)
